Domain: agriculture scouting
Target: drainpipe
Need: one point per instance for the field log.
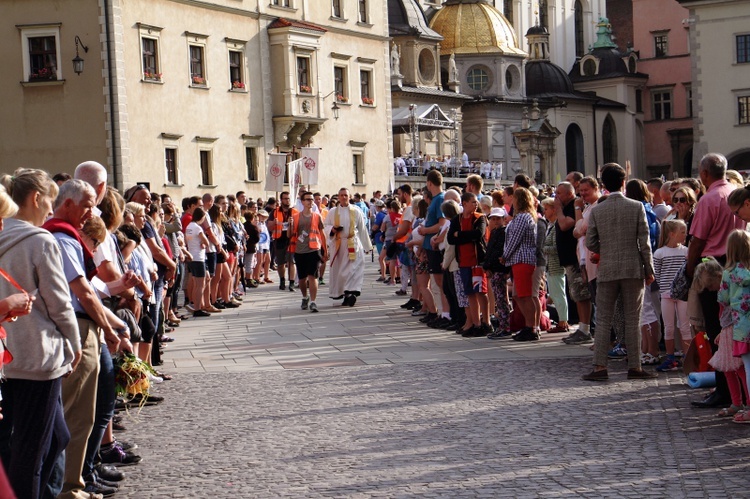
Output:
(113, 133)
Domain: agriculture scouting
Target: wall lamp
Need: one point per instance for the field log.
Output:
(78, 61)
(335, 108)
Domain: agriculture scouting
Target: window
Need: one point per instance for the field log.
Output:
(336, 8)
(303, 75)
(639, 101)
(40, 45)
(251, 161)
(150, 55)
(206, 174)
(543, 13)
(661, 104)
(578, 21)
(589, 67)
(478, 79)
(42, 58)
(281, 3)
(236, 70)
(340, 84)
(197, 65)
(362, 11)
(660, 45)
(359, 169)
(365, 87)
(609, 140)
(508, 10)
(743, 49)
(689, 98)
(743, 110)
(170, 162)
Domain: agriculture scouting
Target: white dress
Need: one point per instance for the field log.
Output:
(346, 275)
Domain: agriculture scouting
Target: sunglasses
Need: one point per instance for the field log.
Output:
(679, 200)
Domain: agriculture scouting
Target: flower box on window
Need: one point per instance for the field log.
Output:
(341, 98)
(368, 101)
(199, 80)
(305, 89)
(43, 74)
(147, 75)
(238, 85)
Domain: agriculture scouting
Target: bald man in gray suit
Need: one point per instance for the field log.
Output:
(618, 232)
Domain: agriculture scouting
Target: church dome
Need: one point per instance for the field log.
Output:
(545, 79)
(474, 27)
(405, 17)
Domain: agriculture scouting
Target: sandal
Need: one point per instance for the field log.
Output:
(728, 412)
(742, 417)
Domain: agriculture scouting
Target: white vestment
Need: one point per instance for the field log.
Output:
(346, 275)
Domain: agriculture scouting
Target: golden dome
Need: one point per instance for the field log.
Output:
(474, 27)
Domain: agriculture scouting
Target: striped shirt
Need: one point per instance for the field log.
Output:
(667, 261)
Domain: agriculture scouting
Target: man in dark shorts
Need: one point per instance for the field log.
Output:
(278, 225)
(433, 224)
(307, 244)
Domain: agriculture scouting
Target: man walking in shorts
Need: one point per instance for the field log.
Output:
(306, 243)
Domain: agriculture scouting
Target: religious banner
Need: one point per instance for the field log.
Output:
(310, 165)
(275, 172)
(295, 178)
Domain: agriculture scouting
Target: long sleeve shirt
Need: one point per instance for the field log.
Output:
(520, 240)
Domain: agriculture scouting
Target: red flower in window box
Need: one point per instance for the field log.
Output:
(44, 74)
(341, 98)
(238, 84)
(148, 75)
(199, 80)
(305, 89)
(368, 101)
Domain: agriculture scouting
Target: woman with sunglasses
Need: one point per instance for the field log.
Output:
(44, 342)
(683, 202)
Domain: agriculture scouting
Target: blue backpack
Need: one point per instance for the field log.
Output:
(653, 226)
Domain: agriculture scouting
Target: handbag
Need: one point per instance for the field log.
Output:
(681, 284)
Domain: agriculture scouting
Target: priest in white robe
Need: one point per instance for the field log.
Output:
(348, 241)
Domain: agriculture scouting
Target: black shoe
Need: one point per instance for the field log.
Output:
(109, 473)
(291, 287)
(230, 304)
(282, 284)
(106, 483)
(438, 323)
(220, 305)
(450, 326)
(526, 334)
(486, 329)
(410, 304)
(201, 313)
(416, 305)
(113, 454)
(429, 317)
(473, 332)
(711, 401)
(99, 488)
(500, 335)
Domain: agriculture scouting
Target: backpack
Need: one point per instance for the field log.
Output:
(653, 226)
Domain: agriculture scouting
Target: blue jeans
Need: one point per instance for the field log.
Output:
(105, 409)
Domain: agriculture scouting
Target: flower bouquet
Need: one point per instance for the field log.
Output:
(131, 376)
(305, 89)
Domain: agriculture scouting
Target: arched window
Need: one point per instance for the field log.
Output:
(543, 13)
(574, 149)
(609, 140)
(508, 10)
(579, 28)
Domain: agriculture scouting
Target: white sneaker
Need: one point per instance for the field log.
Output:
(155, 379)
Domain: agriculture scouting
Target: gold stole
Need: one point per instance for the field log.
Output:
(350, 240)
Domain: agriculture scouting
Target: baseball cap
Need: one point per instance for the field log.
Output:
(263, 213)
(496, 212)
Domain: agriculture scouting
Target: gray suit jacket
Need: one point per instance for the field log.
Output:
(618, 232)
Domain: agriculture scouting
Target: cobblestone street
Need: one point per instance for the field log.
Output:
(367, 402)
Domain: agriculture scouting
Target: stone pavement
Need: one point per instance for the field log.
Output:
(272, 401)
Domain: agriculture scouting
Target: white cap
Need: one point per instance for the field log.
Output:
(496, 212)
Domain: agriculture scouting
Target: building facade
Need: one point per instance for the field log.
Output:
(191, 97)
(720, 62)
